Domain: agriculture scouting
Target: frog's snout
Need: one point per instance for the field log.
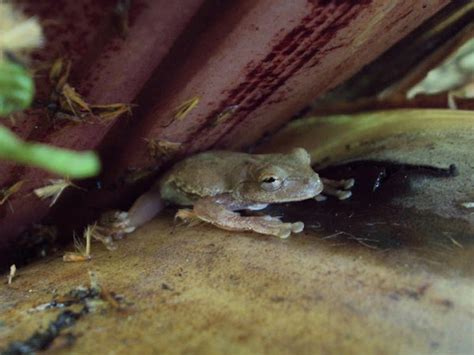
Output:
(314, 185)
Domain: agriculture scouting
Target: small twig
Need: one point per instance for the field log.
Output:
(454, 241)
(333, 235)
(12, 274)
(362, 242)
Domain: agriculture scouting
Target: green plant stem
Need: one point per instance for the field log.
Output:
(16, 88)
(60, 161)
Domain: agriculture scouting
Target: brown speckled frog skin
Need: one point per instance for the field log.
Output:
(218, 183)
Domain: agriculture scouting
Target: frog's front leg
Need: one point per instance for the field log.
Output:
(220, 211)
(120, 223)
(146, 207)
(338, 188)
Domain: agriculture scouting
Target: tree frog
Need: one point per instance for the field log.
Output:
(217, 184)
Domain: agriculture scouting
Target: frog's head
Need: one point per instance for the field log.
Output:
(277, 178)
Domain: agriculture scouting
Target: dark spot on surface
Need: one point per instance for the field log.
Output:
(421, 290)
(394, 296)
(41, 340)
(166, 287)
(414, 294)
(444, 302)
(410, 294)
(277, 299)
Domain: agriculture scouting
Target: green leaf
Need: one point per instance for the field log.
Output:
(60, 161)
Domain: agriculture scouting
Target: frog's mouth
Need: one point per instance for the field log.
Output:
(307, 188)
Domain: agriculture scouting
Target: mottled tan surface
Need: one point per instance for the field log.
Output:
(243, 293)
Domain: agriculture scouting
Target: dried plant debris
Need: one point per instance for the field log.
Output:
(72, 257)
(227, 113)
(452, 240)
(93, 297)
(12, 274)
(5, 193)
(162, 149)
(110, 112)
(66, 103)
(185, 108)
(53, 190)
(90, 299)
(103, 235)
(111, 226)
(70, 99)
(109, 297)
(64, 99)
(83, 252)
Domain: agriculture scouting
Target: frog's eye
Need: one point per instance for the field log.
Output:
(270, 183)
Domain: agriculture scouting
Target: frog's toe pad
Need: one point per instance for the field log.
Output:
(283, 233)
(285, 229)
(297, 227)
(349, 183)
(320, 198)
(271, 218)
(344, 195)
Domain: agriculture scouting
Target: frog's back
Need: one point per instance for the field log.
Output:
(205, 174)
